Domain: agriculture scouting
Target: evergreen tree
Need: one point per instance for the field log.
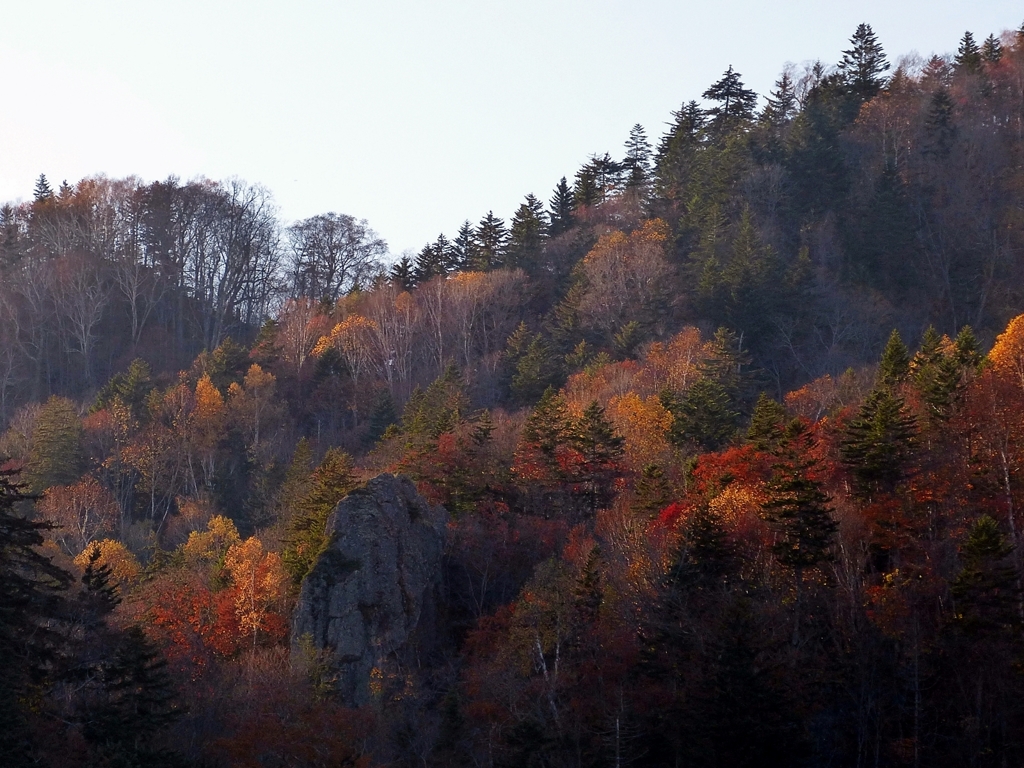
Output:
(490, 240)
(767, 424)
(383, 415)
(31, 600)
(527, 235)
(464, 254)
(637, 164)
(735, 102)
(560, 208)
(138, 703)
(991, 50)
(940, 129)
(131, 388)
(585, 191)
(968, 55)
(652, 490)
(544, 439)
(863, 64)
(966, 349)
(782, 104)
(433, 260)
(601, 450)
(403, 273)
(986, 590)
(531, 365)
(879, 442)
(56, 455)
(331, 481)
(437, 409)
(894, 366)
(42, 191)
(703, 416)
(677, 149)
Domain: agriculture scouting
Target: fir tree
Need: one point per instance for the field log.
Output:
(403, 273)
(637, 164)
(703, 416)
(863, 64)
(894, 366)
(56, 455)
(42, 191)
(560, 208)
(767, 424)
(880, 441)
(940, 129)
(782, 104)
(966, 349)
(968, 55)
(383, 415)
(601, 450)
(735, 102)
(987, 590)
(490, 240)
(991, 50)
(464, 254)
(652, 491)
(527, 235)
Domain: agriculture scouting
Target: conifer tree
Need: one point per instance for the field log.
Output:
(677, 149)
(56, 454)
(331, 481)
(403, 273)
(383, 415)
(894, 366)
(42, 191)
(968, 55)
(652, 490)
(987, 590)
(527, 235)
(601, 450)
(879, 442)
(703, 416)
(782, 104)
(560, 208)
(863, 64)
(939, 126)
(637, 163)
(735, 102)
(767, 424)
(464, 248)
(991, 50)
(490, 240)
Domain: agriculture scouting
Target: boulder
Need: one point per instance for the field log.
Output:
(372, 595)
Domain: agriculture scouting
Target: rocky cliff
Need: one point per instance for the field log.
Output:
(371, 597)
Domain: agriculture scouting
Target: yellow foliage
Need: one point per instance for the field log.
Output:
(260, 580)
(674, 364)
(1007, 356)
(738, 501)
(220, 534)
(209, 401)
(644, 424)
(259, 382)
(113, 554)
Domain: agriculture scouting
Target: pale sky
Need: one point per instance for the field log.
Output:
(412, 115)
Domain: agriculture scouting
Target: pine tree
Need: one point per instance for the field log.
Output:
(601, 450)
(703, 416)
(939, 126)
(880, 441)
(863, 64)
(56, 455)
(894, 366)
(383, 415)
(986, 590)
(966, 349)
(490, 240)
(735, 102)
(139, 702)
(767, 424)
(782, 104)
(991, 50)
(561, 208)
(42, 191)
(527, 235)
(331, 481)
(402, 273)
(968, 55)
(464, 254)
(637, 164)
(652, 491)
(437, 409)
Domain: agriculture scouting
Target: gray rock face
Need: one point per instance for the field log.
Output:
(372, 594)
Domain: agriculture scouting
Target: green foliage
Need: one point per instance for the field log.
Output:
(56, 454)
(703, 417)
(987, 590)
(490, 243)
(894, 366)
(560, 209)
(527, 235)
(131, 388)
(332, 480)
(530, 365)
(383, 415)
(767, 429)
(799, 510)
(863, 64)
(652, 491)
(880, 442)
(968, 55)
(735, 103)
(593, 436)
(437, 409)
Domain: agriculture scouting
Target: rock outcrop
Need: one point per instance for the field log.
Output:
(372, 594)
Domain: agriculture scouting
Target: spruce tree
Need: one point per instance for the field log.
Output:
(637, 163)
(991, 50)
(403, 273)
(702, 417)
(767, 429)
(56, 456)
(879, 443)
(42, 192)
(527, 235)
(894, 366)
(464, 248)
(987, 590)
(601, 450)
(735, 102)
(560, 208)
(968, 55)
(652, 491)
(940, 130)
(782, 105)
(490, 240)
(863, 64)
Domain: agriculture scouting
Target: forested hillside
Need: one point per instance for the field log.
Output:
(729, 431)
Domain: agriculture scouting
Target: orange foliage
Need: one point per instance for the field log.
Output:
(259, 582)
(1007, 356)
(644, 425)
(124, 568)
(82, 512)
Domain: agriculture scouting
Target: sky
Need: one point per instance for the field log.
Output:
(413, 115)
